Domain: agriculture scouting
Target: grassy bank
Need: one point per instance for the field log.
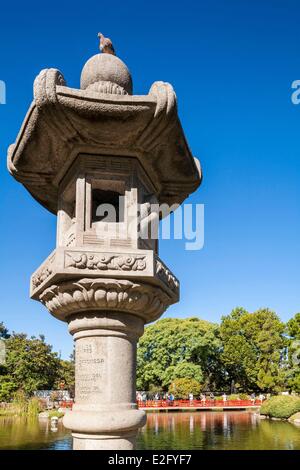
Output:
(21, 406)
(280, 407)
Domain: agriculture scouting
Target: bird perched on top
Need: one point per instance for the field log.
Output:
(106, 45)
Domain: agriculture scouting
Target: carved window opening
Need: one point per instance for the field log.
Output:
(107, 206)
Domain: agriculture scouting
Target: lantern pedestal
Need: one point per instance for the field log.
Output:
(105, 415)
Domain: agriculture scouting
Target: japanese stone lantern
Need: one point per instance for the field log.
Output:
(79, 150)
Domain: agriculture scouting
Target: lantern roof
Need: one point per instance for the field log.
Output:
(102, 118)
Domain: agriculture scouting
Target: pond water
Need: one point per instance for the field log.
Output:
(235, 430)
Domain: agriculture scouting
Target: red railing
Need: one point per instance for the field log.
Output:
(66, 404)
(197, 403)
(185, 403)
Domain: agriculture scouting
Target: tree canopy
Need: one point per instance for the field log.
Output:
(174, 348)
(253, 349)
(31, 365)
(246, 352)
(293, 332)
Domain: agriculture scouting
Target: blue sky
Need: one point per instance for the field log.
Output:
(232, 64)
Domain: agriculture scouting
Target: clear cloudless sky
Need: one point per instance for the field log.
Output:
(231, 63)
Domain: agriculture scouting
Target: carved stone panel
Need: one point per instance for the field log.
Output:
(90, 370)
(105, 261)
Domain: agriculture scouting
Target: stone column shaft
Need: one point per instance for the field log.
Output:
(105, 414)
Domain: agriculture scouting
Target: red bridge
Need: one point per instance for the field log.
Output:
(198, 404)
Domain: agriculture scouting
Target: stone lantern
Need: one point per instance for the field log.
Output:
(78, 151)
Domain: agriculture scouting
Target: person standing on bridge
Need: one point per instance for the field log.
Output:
(261, 397)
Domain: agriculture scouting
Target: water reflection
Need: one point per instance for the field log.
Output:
(216, 430)
(173, 430)
(30, 433)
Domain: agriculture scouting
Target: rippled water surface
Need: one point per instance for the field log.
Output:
(237, 430)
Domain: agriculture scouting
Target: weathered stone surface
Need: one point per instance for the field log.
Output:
(105, 68)
(74, 264)
(78, 150)
(105, 415)
(140, 299)
(63, 122)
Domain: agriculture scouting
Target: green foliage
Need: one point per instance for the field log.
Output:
(293, 331)
(7, 388)
(182, 370)
(20, 402)
(3, 331)
(22, 406)
(181, 388)
(253, 349)
(172, 347)
(255, 352)
(55, 414)
(234, 396)
(33, 406)
(248, 350)
(154, 388)
(66, 376)
(293, 326)
(282, 406)
(244, 396)
(31, 365)
(294, 380)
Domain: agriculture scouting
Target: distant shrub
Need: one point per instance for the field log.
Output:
(181, 388)
(238, 396)
(281, 406)
(234, 396)
(243, 396)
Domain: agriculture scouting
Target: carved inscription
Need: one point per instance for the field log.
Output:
(90, 370)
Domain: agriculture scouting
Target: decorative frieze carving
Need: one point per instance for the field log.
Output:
(104, 262)
(144, 300)
(43, 273)
(166, 276)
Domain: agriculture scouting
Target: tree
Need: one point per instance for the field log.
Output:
(173, 344)
(253, 349)
(7, 388)
(293, 331)
(3, 331)
(181, 388)
(30, 364)
(293, 326)
(182, 370)
(66, 376)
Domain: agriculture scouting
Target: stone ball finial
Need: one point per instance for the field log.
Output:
(106, 73)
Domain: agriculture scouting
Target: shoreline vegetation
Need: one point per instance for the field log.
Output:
(28, 408)
(282, 407)
(21, 406)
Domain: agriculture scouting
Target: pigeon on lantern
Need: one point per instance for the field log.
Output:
(106, 45)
